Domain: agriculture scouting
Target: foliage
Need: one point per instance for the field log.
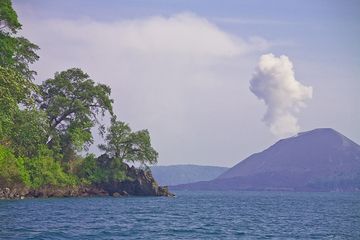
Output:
(24, 174)
(16, 53)
(90, 172)
(9, 172)
(125, 145)
(29, 133)
(35, 172)
(94, 170)
(24, 131)
(72, 102)
(6, 124)
(44, 170)
(8, 17)
(14, 89)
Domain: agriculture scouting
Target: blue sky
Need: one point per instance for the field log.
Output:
(198, 106)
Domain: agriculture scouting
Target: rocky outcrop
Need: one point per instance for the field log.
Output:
(140, 183)
(16, 192)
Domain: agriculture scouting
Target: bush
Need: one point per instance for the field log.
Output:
(32, 172)
(9, 171)
(94, 170)
(29, 133)
(90, 172)
(44, 170)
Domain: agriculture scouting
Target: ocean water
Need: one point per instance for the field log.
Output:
(190, 215)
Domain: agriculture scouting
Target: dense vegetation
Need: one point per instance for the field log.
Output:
(44, 128)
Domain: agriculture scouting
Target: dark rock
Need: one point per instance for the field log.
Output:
(139, 183)
(164, 191)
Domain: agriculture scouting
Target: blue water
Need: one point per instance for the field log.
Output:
(191, 215)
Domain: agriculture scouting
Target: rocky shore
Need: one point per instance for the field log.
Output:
(140, 183)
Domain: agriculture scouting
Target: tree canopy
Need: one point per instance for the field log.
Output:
(73, 102)
(16, 52)
(128, 146)
(15, 89)
(8, 17)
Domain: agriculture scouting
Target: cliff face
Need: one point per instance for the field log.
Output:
(140, 183)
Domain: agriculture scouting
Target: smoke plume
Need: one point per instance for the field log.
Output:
(275, 83)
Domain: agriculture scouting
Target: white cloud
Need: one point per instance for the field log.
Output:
(179, 35)
(274, 82)
(249, 21)
(176, 76)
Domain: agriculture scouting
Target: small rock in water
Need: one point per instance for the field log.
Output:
(124, 193)
(116, 194)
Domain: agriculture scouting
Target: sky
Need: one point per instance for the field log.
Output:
(213, 81)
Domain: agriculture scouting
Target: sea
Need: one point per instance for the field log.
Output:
(189, 215)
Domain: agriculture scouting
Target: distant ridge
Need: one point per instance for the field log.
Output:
(317, 160)
(181, 174)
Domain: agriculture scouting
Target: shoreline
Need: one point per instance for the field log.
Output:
(12, 193)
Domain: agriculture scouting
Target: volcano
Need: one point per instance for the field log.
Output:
(317, 160)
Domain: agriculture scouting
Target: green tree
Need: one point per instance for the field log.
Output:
(90, 170)
(29, 132)
(73, 102)
(126, 146)
(16, 52)
(44, 170)
(14, 89)
(8, 17)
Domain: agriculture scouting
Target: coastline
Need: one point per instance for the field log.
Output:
(18, 192)
(139, 183)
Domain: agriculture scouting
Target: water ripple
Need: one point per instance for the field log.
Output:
(191, 215)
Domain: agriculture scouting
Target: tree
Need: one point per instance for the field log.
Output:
(124, 145)
(14, 89)
(73, 102)
(16, 53)
(8, 17)
(28, 135)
